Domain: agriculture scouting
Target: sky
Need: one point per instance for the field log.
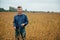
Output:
(32, 5)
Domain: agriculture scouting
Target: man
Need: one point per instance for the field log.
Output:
(20, 21)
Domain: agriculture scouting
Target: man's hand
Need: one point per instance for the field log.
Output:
(14, 27)
(22, 24)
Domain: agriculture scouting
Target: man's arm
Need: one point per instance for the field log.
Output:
(14, 23)
(26, 21)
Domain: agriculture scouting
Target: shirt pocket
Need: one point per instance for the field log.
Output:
(23, 20)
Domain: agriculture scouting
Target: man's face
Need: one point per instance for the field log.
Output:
(19, 10)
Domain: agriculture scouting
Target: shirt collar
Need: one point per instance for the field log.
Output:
(20, 15)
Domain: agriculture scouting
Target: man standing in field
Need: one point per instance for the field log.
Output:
(20, 21)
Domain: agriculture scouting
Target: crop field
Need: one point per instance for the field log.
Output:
(42, 26)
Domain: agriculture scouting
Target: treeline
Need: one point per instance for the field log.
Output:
(11, 9)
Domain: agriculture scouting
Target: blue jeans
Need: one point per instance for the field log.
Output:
(21, 32)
